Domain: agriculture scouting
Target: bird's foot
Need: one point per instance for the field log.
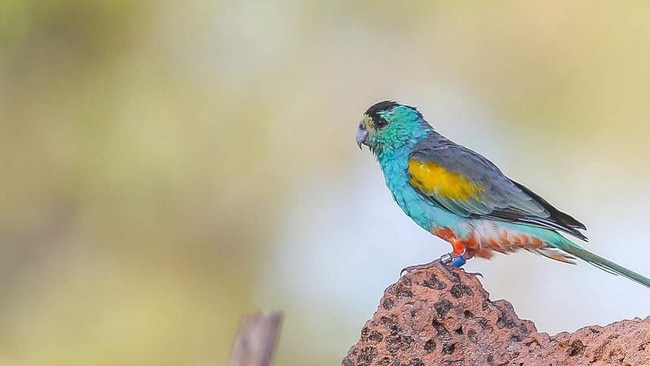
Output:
(441, 263)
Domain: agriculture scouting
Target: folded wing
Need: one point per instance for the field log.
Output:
(468, 185)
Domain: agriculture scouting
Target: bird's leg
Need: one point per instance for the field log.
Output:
(441, 263)
(469, 253)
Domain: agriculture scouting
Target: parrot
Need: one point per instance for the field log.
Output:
(461, 197)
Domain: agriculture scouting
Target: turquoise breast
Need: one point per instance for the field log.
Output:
(422, 210)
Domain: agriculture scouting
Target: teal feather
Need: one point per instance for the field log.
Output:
(605, 264)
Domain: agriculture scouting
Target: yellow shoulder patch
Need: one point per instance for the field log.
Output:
(433, 179)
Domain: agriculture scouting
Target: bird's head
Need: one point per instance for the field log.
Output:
(389, 125)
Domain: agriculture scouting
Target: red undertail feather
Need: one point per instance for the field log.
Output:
(503, 242)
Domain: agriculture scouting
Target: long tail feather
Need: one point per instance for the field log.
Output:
(602, 263)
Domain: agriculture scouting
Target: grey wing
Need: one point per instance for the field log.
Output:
(500, 198)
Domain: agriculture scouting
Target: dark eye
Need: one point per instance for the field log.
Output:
(380, 123)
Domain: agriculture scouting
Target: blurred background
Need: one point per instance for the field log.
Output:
(166, 167)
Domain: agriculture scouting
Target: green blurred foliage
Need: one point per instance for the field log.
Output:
(149, 148)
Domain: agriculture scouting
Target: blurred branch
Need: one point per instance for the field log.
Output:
(256, 339)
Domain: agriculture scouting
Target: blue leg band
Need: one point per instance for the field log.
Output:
(458, 261)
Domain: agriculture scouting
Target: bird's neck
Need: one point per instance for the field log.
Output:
(401, 148)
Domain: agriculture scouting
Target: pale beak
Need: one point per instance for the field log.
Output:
(362, 135)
